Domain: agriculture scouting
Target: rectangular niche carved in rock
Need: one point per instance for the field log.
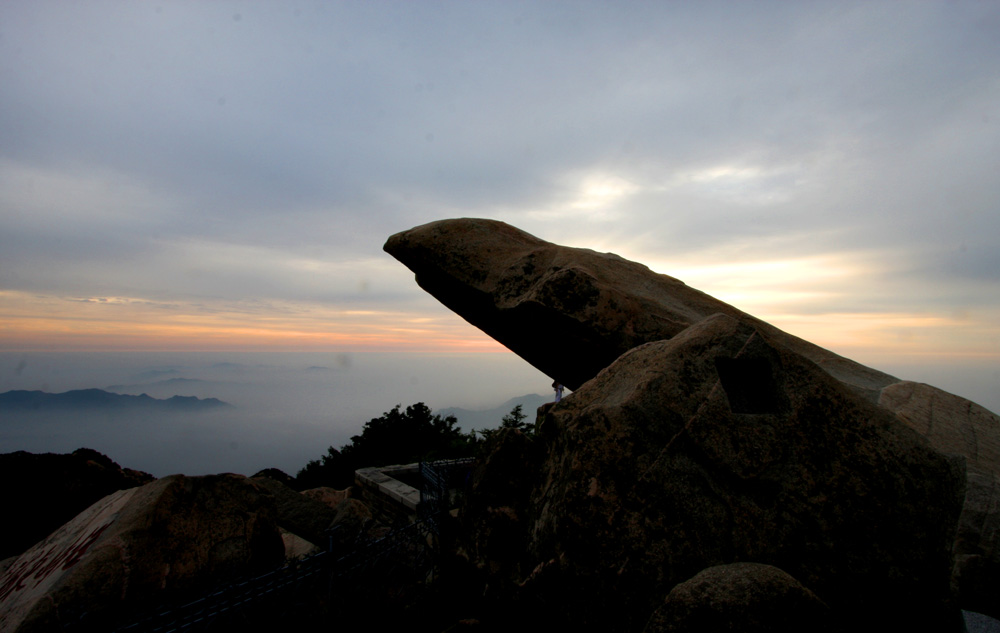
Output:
(749, 384)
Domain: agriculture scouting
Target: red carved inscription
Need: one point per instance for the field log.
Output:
(40, 567)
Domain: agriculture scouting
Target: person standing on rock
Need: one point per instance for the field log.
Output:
(559, 389)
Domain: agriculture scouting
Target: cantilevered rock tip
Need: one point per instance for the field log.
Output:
(569, 311)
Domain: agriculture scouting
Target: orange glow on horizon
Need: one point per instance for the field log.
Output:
(53, 324)
(33, 322)
(151, 337)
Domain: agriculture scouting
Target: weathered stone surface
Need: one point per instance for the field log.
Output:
(298, 513)
(956, 426)
(495, 514)
(718, 446)
(141, 546)
(277, 475)
(952, 424)
(976, 574)
(352, 520)
(297, 547)
(570, 312)
(329, 496)
(47, 490)
(745, 597)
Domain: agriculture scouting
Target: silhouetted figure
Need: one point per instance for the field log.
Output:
(559, 389)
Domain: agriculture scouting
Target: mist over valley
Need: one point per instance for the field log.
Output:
(285, 408)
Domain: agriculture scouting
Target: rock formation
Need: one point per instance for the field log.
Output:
(956, 426)
(299, 514)
(745, 597)
(353, 520)
(173, 537)
(44, 491)
(571, 311)
(701, 436)
(297, 547)
(719, 446)
(329, 496)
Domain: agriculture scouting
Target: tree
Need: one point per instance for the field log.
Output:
(513, 420)
(396, 437)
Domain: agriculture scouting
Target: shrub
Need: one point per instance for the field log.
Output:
(397, 437)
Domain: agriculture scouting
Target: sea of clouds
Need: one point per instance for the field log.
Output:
(287, 408)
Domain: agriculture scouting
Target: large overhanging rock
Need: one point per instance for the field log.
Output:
(139, 547)
(721, 446)
(571, 311)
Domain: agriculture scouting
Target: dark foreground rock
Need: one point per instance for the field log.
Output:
(956, 426)
(715, 447)
(745, 597)
(299, 514)
(44, 491)
(331, 497)
(135, 548)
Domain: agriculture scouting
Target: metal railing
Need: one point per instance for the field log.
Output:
(439, 479)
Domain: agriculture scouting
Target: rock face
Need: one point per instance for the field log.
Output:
(299, 514)
(720, 446)
(353, 519)
(953, 425)
(976, 574)
(746, 597)
(297, 547)
(48, 490)
(571, 311)
(700, 436)
(331, 497)
(136, 547)
(956, 426)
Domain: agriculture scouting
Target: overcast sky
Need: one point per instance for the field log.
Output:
(214, 175)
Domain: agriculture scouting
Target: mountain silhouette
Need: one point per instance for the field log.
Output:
(98, 399)
(491, 418)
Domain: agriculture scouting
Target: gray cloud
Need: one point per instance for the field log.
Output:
(214, 150)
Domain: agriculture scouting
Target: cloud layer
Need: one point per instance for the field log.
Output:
(224, 174)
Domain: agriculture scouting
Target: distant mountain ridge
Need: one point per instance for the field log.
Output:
(169, 382)
(22, 400)
(490, 418)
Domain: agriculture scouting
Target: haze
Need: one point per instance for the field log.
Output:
(287, 408)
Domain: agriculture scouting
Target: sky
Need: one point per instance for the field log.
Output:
(213, 176)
